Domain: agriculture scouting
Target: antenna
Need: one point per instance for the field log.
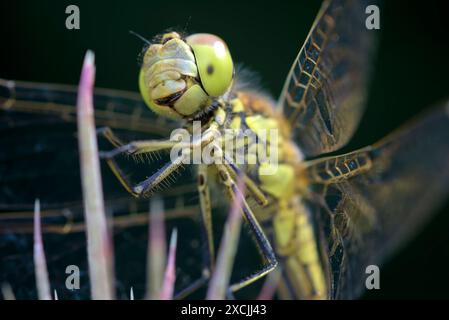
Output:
(140, 37)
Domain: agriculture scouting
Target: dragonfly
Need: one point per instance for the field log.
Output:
(319, 221)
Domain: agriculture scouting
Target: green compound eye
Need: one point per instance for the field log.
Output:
(214, 62)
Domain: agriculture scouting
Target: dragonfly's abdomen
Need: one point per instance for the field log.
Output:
(294, 241)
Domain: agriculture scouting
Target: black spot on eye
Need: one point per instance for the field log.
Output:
(210, 69)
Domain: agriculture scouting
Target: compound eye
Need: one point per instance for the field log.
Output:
(214, 62)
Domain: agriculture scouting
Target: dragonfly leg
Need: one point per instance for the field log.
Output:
(195, 285)
(259, 236)
(147, 186)
(133, 147)
(107, 133)
(120, 175)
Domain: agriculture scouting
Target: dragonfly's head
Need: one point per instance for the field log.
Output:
(180, 77)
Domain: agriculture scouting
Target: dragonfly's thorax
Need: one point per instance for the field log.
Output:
(252, 136)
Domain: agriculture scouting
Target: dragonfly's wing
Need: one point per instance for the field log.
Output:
(39, 159)
(38, 138)
(369, 201)
(324, 94)
(39, 144)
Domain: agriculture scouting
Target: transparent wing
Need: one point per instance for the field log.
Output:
(323, 96)
(39, 159)
(38, 139)
(369, 201)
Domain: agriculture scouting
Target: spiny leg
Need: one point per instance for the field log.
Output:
(135, 147)
(145, 187)
(149, 146)
(260, 237)
(120, 175)
(107, 133)
(143, 146)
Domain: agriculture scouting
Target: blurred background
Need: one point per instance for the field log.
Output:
(410, 75)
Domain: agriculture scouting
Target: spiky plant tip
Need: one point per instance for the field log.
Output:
(99, 245)
(170, 274)
(40, 264)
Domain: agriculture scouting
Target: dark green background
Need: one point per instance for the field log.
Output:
(411, 74)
